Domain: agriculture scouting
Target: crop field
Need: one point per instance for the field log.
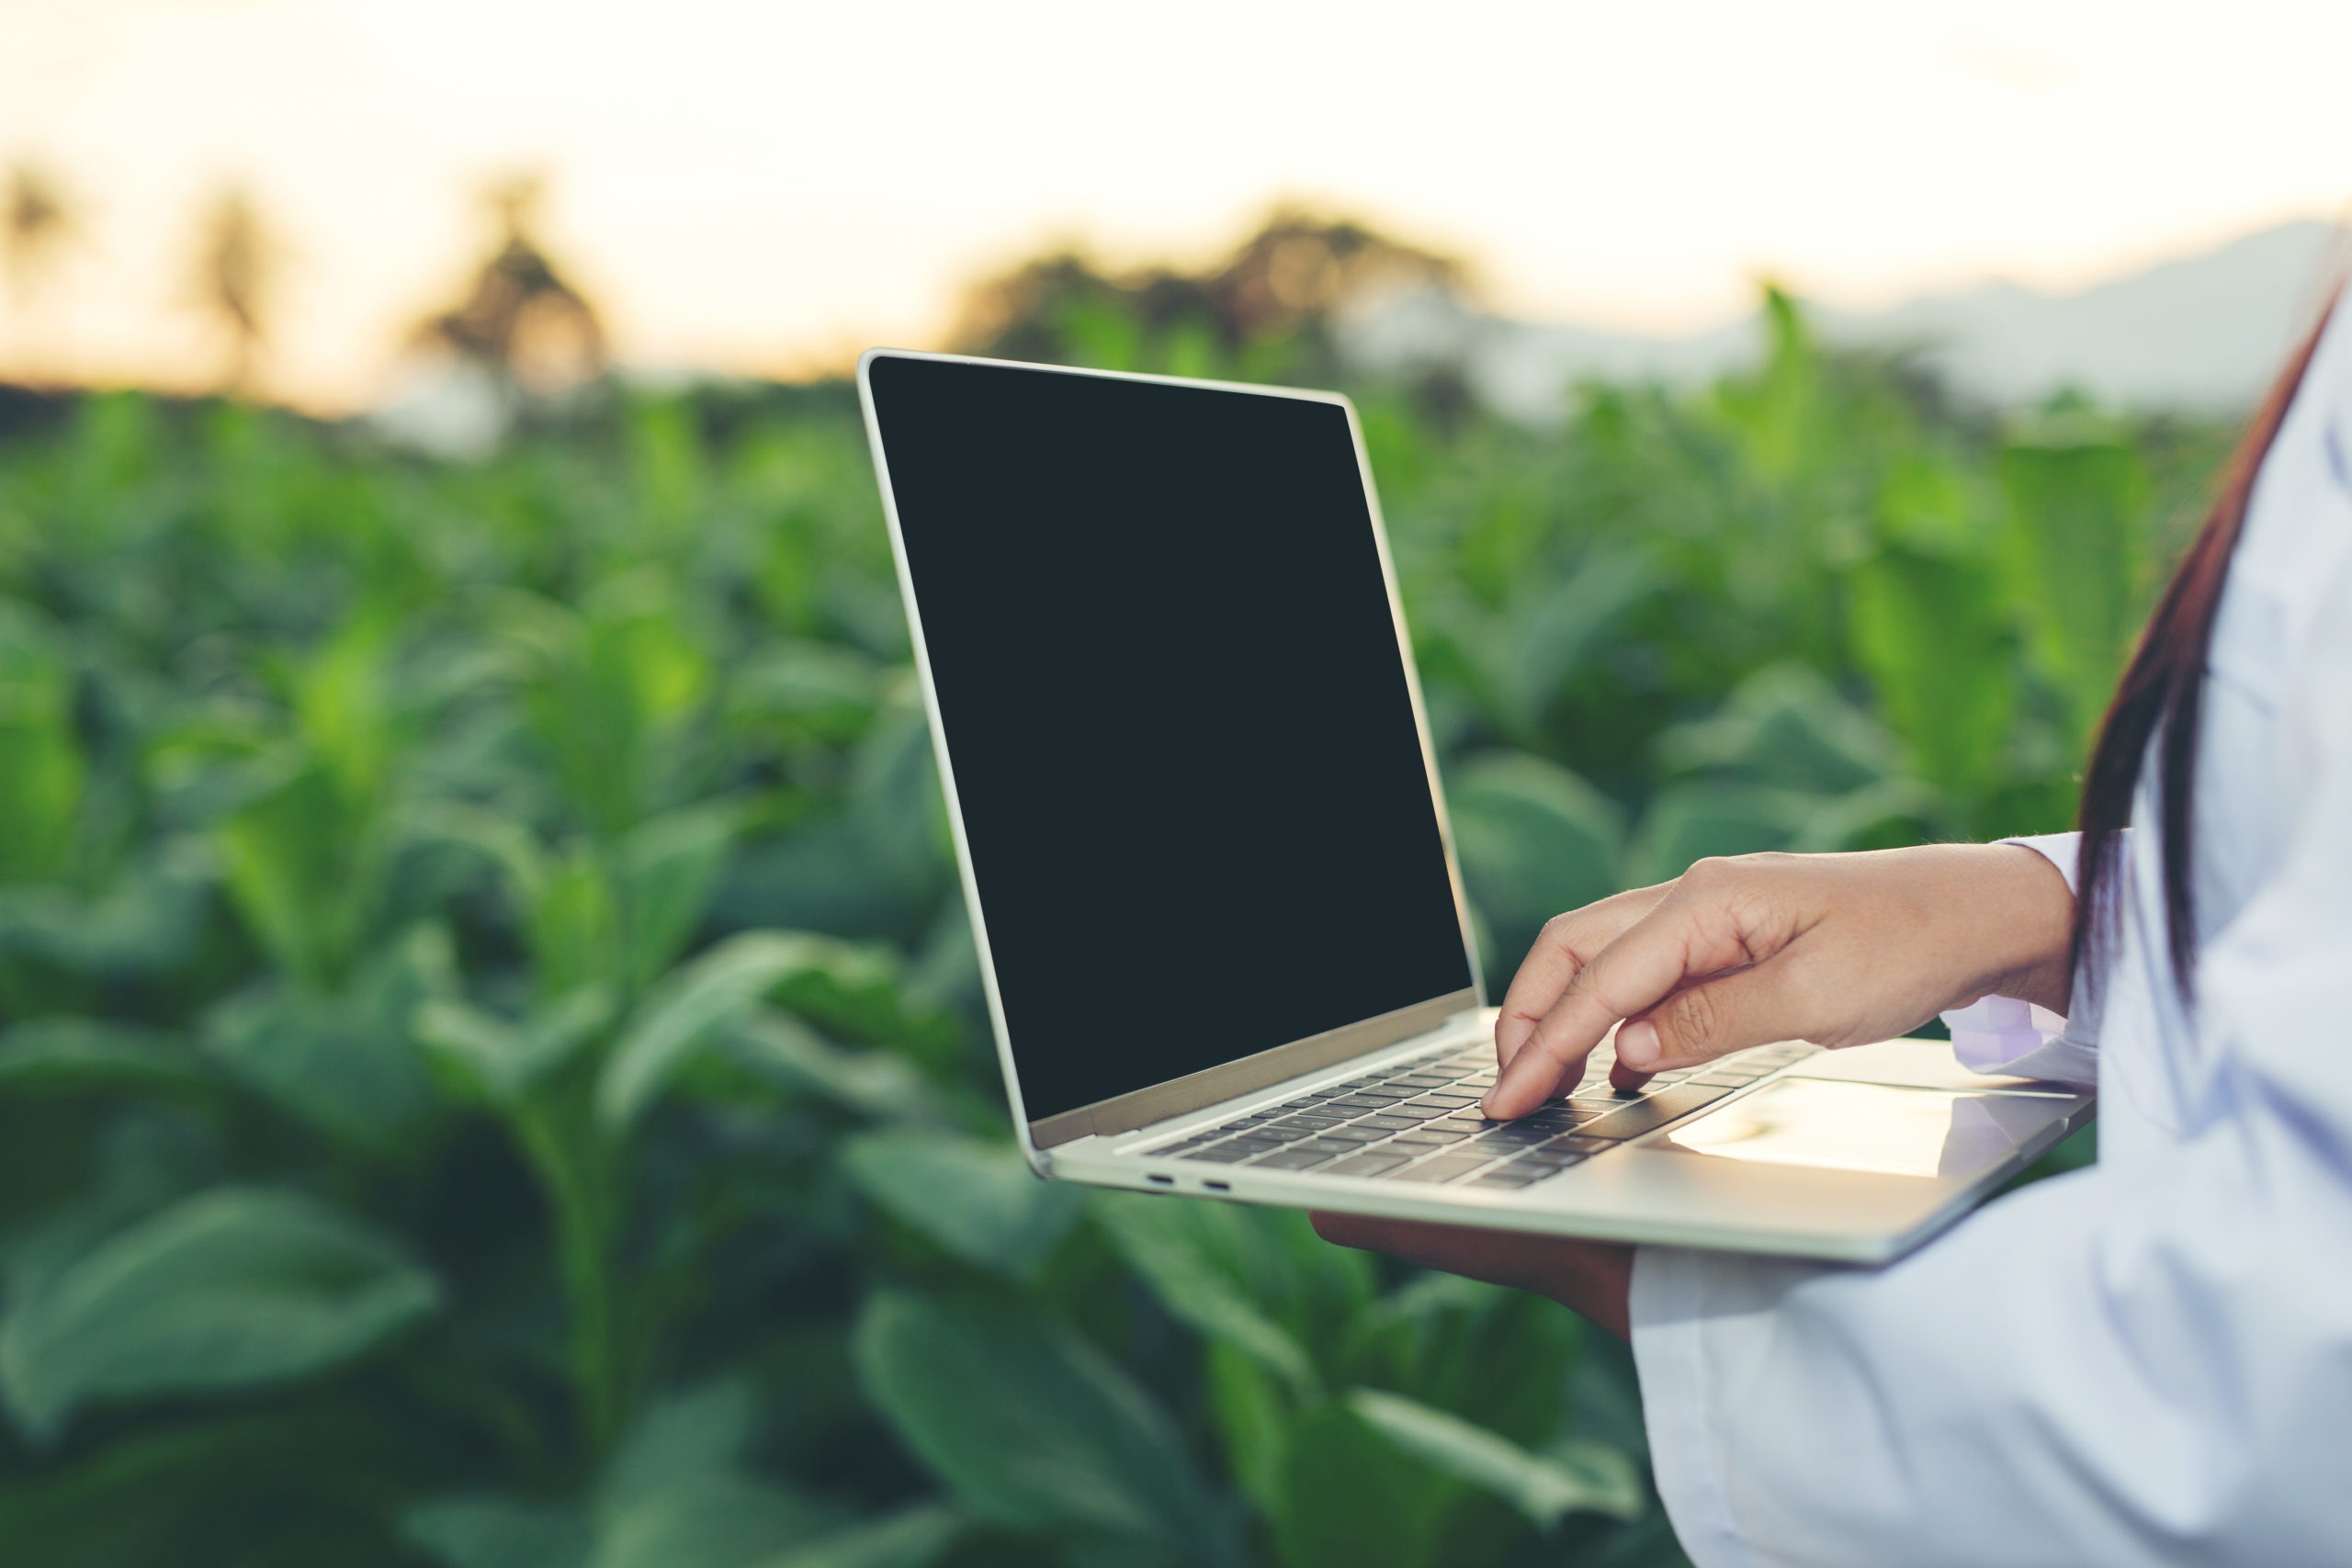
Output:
(491, 1070)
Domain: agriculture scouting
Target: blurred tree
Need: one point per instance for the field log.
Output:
(521, 321)
(39, 219)
(235, 261)
(1280, 290)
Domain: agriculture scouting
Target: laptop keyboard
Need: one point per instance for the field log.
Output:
(1419, 1120)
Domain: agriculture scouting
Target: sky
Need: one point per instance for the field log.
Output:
(765, 187)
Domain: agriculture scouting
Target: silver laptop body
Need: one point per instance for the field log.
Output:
(1181, 743)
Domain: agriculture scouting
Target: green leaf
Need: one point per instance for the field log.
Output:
(1034, 1429)
(674, 1494)
(707, 994)
(1206, 1263)
(608, 692)
(147, 921)
(345, 1062)
(825, 690)
(880, 1084)
(1498, 1356)
(497, 1532)
(720, 1520)
(1353, 1499)
(911, 1537)
(979, 1200)
(665, 871)
(291, 1482)
(1787, 728)
(1691, 821)
(1253, 1417)
(1552, 624)
(344, 702)
(1933, 636)
(305, 861)
(502, 1060)
(1534, 840)
(2077, 527)
(232, 1289)
(575, 923)
(693, 1433)
(1544, 1488)
(80, 1055)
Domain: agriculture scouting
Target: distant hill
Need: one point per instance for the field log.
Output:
(2203, 334)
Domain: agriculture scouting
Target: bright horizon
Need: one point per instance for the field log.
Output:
(765, 188)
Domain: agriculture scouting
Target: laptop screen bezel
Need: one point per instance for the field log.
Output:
(1173, 1096)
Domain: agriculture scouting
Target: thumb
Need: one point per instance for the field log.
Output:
(1714, 1018)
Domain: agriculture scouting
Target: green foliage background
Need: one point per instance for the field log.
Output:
(492, 1070)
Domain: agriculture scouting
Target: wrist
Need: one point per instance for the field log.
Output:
(2030, 914)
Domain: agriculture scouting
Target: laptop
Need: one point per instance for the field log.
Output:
(1223, 935)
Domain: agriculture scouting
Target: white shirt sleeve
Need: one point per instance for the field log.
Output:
(2135, 1364)
(2005, 1036)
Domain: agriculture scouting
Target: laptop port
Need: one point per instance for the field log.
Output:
(1217, 1186)
(1161, 1181)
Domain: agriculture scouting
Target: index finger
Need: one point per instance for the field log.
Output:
(1567, 943)
(1641, 968)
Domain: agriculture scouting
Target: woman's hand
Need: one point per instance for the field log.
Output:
(1592, 1277)
(1838, 949)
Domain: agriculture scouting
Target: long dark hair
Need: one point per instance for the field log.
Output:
(2162, 697)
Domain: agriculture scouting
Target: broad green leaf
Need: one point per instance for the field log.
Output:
(503, 1060)
(344, 704)
(1786, 727)
(1534, 840)
(665, 871)
(508, 844)
(345, 1062)
(275, 1485)
(575, 923)
(145, 921)
(497, 1532)
(1205, 1262)
(895, 795)
(2077, 527)
(707, 994)
(1497, 1356)
(1692, 821)
(233, 1289)
(1859, 819)
(1034, 1429)
(305, 861)
(608, 692)
(674, 1494)
(693, 1433)
(1933, 636)
(1351, 1499)
(880, 1084)
(146, 1159)
(82, 1053)
(979, 1200)
(1554, 623)
(1253, 1417)
(913, 1537)
(715, 1520)
(1544, 1488)
(822, 688)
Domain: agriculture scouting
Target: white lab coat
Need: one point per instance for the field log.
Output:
(2149, 1361)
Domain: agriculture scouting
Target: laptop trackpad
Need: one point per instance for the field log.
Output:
(1869, 1127)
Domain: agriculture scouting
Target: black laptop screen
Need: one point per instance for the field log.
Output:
(1172, 697)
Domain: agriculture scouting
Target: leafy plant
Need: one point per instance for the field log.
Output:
(492, 1063)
